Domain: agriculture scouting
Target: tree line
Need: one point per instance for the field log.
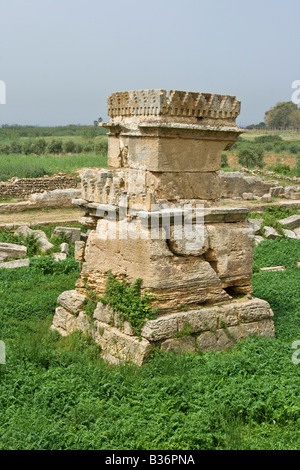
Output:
(282, 116)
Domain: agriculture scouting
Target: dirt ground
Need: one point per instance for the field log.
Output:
(270, 159)
(41, 217)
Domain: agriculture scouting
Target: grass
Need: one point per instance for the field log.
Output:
(271, 216)
(33, 166)
(56, 393)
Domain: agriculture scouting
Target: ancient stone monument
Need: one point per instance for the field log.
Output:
(154, 214)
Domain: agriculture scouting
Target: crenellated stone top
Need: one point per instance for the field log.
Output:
(172, 103)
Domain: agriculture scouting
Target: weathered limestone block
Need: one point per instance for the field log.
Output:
(234, 184)
(12, 250)
(293, 221)
(206, 318)
(175, 131)
(19, 263)
(176, 186)
(118, 347)
(72, 233)
(66, 323)
(231, 253)
(258, 239)
(222, 339)
(56, 198)
(59, 256)
(64, 248)
(195, 243)
(270, 233)
(290, 234)
(273, 268)
(79, 249)
(180, 345)
(256, 225)
(105, 314)
(174, 279)
(72, 301)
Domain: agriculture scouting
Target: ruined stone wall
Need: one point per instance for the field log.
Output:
(19, 187)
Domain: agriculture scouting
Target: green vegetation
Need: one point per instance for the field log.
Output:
(32, 166)
(15, 131)
(271, 217)
(125, 299)
(251, 157)
(284, 115)
(31, 152)
(56, 393)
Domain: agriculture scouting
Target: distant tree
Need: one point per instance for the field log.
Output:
(251, 157)
(295, 120)
(259, 126)
(279, 117)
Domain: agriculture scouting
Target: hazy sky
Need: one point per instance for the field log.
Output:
(61, 58)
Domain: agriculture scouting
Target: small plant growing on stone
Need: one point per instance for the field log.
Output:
(187, 330)
(126, 300)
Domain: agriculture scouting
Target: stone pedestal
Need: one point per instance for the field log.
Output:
(154, 215)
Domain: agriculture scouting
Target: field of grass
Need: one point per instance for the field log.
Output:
(34, 166)
(282, 156)
(56, 393)
(29, 152)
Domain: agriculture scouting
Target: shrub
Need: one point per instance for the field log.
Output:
(38, 146)
(224, 160)
(69, 146)
(251, 157)
(298, 165)
(27, 147)
(78, 148)
(101, 146)
(15, 147)
(88, 147)
(54, 146)
(268, 138)
(281, 168)
(5, 148)
(294, 148)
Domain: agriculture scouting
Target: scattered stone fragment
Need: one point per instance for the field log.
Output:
(293, 221)
(12, 250)
(24, 230)
(44, 244)
(276, 191)
(258, 239)
(72, 234)
(273, 268)
(19, 263)
(266, 198)
(64, 248)
(271, 233)
(256, 224)
(59, 256)
(290, 234)
(248, 196)
(71, 301)
(297, 232)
